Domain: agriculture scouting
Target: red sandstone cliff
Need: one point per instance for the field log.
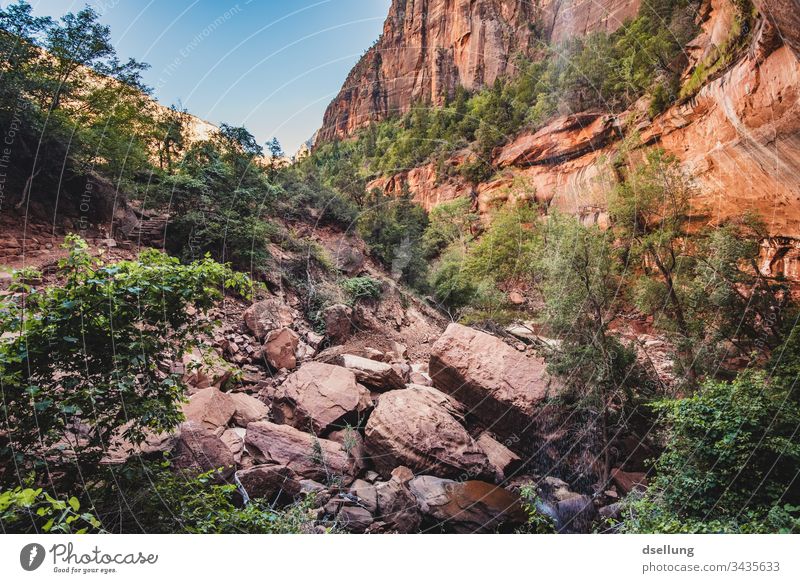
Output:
(739, 137)
(429, 47)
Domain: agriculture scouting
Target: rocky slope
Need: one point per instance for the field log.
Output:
(739, 137)
(429, 47)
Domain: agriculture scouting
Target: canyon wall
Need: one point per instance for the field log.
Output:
(738, 137)
(430, 47)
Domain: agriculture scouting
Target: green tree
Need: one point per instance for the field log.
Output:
(96, 350)
(704, 288)
(580, 285)
(731, 461)
(450, 224)
(393, 228)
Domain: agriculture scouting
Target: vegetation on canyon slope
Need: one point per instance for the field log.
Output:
(601, 71)
(730, 456)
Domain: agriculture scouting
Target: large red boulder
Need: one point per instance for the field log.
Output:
(303, 453)
(415, 428)
(319, 397)
(503, 387)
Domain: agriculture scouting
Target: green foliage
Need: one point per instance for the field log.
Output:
(32, 510)
(68, 98)
(580, 285)
(393, 228)
(362, 288)
(507, 251)
(450, 224)
(305, 195)
(731, 461)
(705, 289)
(96, 349)
(152, 499)
(451, 284)
(538, 522)
(219, 198)
(470, 272)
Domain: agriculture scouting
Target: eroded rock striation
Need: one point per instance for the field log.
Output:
(430, 47)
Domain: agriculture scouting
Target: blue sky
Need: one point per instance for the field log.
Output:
(269, 65)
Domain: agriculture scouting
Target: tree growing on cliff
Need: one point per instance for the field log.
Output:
(703, 286)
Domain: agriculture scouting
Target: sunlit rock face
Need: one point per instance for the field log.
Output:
(430, 47)
(738, 137)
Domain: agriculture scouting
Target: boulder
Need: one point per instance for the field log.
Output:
(304, 454)
(202, 370)
(349, 258)
(557, 489)
(271, 481)
(415, 428)
(467, 507)
(504, 461)
(354, 518)
(198, 450)
(265, 316)
(280, 348)
(248, 409)
(575, 515)
(155, 445)
(348, 514)
(366, 494)
(233, 437)
(338, 323)
(629, 481)
(396, 506)
(501, 386)
(210, 407)
(378, 376)
(319, 397)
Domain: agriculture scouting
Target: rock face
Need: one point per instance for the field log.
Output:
(412, 428)
(430, 47)
(501, 386)
(738, 136)
(376, 375)
(307, 456)
(566, 137)
(320, 397)
(199, 450)
(467, 507)
(280, 348)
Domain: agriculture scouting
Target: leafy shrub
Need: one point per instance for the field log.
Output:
(731, 461)
(153, 499)
(96, 349)
(538, 522)
(362, 288)
(32, 510)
